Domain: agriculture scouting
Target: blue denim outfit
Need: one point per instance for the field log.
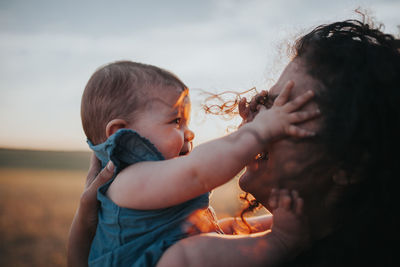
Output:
(128, 237)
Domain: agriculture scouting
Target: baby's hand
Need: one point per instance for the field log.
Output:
(280, 119)
(249, 110)
(289, 224)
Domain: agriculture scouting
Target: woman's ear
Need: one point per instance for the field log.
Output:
(341, 177)
(114, 126)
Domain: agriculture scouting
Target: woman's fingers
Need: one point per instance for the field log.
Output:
(104, 176)
(89, 196)
(96, 177)
(94, 169)
(284, 95)
(299, 101)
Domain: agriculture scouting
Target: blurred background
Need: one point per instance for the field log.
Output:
(48, 51)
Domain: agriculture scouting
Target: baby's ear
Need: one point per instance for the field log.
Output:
(115, 125)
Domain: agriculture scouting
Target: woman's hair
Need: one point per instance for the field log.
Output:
(117, 90)
(358, 67)
(358, 70)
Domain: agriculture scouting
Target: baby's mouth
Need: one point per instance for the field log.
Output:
(184, 153)
(186, 149)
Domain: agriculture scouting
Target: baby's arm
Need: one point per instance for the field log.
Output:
(153, 185)
(270, 248)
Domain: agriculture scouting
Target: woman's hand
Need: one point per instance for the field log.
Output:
(95, 179)
(83, 227)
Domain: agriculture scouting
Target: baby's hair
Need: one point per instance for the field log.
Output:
(118, 90)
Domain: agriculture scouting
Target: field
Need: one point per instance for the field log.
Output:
(36, 209)
(38, 198)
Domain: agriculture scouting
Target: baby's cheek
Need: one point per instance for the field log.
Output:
(180, 143)
(175, 145)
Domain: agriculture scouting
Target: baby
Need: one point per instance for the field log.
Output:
(137, 116)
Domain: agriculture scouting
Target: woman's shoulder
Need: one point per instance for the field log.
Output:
(350, 248)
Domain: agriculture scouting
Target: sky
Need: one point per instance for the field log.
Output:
(49, 49)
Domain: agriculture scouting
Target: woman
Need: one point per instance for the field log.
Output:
(347, 174)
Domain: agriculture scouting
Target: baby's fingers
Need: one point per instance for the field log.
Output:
(295, 131)
(284, 95)
(301, 116)
(298, 209)
(285, 201)
(253, 105)
(297, 203)
(261, 97)
(273, 199)
(243, 109)
(299, 101)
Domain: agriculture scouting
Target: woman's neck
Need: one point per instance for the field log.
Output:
(322, 212)
(320, 223)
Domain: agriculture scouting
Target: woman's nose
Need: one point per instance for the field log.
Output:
(188, 135)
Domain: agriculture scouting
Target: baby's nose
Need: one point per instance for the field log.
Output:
(189, 135)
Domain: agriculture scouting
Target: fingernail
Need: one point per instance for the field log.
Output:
(110, 166)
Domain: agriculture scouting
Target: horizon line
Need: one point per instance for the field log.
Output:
(43, 149)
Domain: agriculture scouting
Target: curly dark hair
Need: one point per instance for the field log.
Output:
(358, 67)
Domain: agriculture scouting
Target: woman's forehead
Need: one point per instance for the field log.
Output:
(295, 71)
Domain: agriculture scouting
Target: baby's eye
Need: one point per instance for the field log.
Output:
(177, 121)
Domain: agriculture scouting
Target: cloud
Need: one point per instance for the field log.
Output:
(49, 49)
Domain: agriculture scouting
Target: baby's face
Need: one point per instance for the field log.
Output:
(164, 121)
